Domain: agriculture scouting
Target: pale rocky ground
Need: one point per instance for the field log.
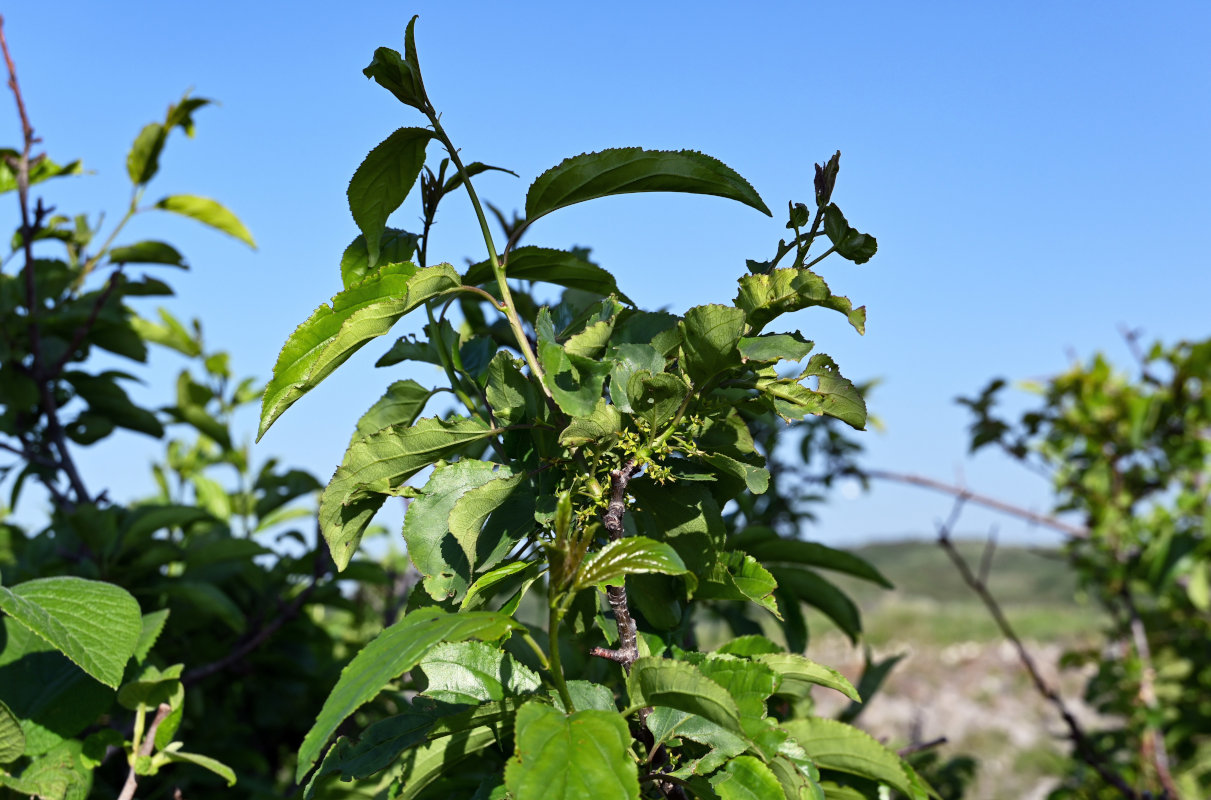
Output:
(979, 697)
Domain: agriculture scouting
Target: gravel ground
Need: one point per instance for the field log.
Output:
(979, 697)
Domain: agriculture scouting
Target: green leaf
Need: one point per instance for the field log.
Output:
(473, 673)
(655, 398)
(769, 547)
(799, 673)
(205, 762)
(746, 778)
(628, 359)
(400, 405)
(756, 479)
(712, 333)
(633, 169)
(94, 624)
(767, 296)
(381, 744)
(208, 212)
(12, 738)
(835, 395)
(433, 550)
(58, 773)
(335, 332)
(400, 76)
(382, 182)
(152, 627)
(478, 594)
(575, 382)
(45, 169)
(148, 252)
(509, 392)
(379, 463)
(748, 646)
(394, 247)
(153, 686)
(425, 764)
(52, 697)
(582, 756)
(857, 247)
(738, 576)
(774, 347)
(837, 746)
(472, 510)
(676, 684)
(393, 652)
(604, 423)
(628, 556)
(587, 695)
(550, 266)
(750, 683)
(143, 160)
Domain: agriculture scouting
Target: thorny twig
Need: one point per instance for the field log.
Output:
(1084, 746)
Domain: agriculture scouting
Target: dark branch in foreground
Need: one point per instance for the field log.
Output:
(628, 639)
(1084, 746)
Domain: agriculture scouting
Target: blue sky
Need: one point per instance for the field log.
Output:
(1035, 175)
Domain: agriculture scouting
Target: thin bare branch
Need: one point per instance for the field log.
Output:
(1033, 517)
(1080, 739)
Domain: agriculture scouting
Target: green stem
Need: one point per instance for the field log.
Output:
(91, 263)
(554, 620)
(538, 651)
(498, 270)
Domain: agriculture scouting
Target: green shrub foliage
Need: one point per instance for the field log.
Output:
(592, 497)
(1131, 456)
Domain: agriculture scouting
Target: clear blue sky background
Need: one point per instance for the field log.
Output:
(1035, 173)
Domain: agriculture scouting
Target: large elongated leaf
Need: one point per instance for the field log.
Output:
(95, 624)
(382, 182)
(379, 463)
(335, 332)
(473, 673)
(550, 266)
(676, 684)
(147, 252)
(633, 169)
(380, 745)
(804, 586)
(582, 756)
(628, 556)
(208, 212)
(799, 673)
(835, 745)
(393, 652)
